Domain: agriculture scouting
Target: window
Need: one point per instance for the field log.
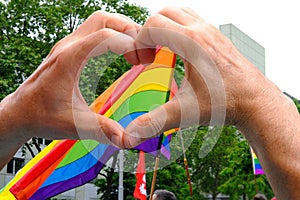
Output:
(43, 141)
(15, 165)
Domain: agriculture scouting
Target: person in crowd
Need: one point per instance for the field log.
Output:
(260, 196)
(163, 195)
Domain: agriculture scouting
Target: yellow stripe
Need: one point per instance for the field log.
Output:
(253, 154)
(5, 194)
(148, 79)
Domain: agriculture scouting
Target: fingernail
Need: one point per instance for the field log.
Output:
(134, 140)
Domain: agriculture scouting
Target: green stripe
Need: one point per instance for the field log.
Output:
(80, 149)
(140, 102)
(256, 161)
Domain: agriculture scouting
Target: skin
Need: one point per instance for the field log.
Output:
(49, 104)
(268, 119)
(221, 87)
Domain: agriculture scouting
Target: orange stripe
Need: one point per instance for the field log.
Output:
(102, 99)
(36, 176)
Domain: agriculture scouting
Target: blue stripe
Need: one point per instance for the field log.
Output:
(129, 118)
(77, 167)
(258, 166)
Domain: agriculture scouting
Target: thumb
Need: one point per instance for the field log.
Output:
(98, 127)
(168, 116)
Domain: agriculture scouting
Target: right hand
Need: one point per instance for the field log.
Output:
(220, 85)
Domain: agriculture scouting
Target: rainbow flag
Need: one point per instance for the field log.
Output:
(257, 168)
(66, 164)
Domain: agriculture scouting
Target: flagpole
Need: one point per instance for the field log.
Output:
(186, 164)
(156, 165)
(121, 169)
(154, 177)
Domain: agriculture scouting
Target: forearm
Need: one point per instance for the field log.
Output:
(11, 137)
(273, 130)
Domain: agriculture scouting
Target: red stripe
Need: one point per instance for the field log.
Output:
(122, 87)
(38, 170)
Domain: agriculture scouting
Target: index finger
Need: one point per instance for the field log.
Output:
(102, 19)
(183, 16)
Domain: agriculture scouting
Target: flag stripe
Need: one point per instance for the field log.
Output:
(90, 174)
(150, 77)
(79, 150)
(77, 167)
(57, 154)
(137, 103)
(257, 168)
(122, 87)
(142, 84)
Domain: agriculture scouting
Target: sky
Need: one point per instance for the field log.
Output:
(273, 24)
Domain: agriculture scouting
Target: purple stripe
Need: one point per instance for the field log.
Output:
(57, 188)
(166, 152)
(259, 171)
(149, 146)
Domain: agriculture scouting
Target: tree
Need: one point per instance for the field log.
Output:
(29, 29)
(240, 180)
(172, 178)
(208, 158)
(221, 163)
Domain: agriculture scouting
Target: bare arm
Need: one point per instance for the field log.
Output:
(221, 87)
(274, 133)
(49, 103)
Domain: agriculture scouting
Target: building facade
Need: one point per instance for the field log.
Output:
(253, 51)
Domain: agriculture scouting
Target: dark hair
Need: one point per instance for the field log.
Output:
(260, 196)
(164, 195)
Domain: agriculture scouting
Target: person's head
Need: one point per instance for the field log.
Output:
(163, 195)
(260, 196)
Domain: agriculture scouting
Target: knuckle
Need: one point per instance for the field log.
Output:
(99, 14)
(166, 10)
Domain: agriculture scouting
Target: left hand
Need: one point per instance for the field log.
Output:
(49, 103)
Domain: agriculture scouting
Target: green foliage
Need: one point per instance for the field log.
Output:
(128, 184)
(29, 29)
(136, 13)
(296, 101)
(99, 73)
(179, 71)
(173, 178)
(208, 163)
(222, 164)
(240, 180)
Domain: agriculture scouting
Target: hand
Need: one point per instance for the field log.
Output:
(220, 85)
(49, 103)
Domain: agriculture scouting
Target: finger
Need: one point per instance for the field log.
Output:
(74, 56)
(170, 36)
(156, 32)
(112, 131)
(100, 128)
(108, 40)
(181, 16)
(152, 124)
(192, 13)
(102, 19)
(174, 114)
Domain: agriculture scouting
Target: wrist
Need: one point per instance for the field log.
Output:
(11, 123)
(269, 113)
(255, 109)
